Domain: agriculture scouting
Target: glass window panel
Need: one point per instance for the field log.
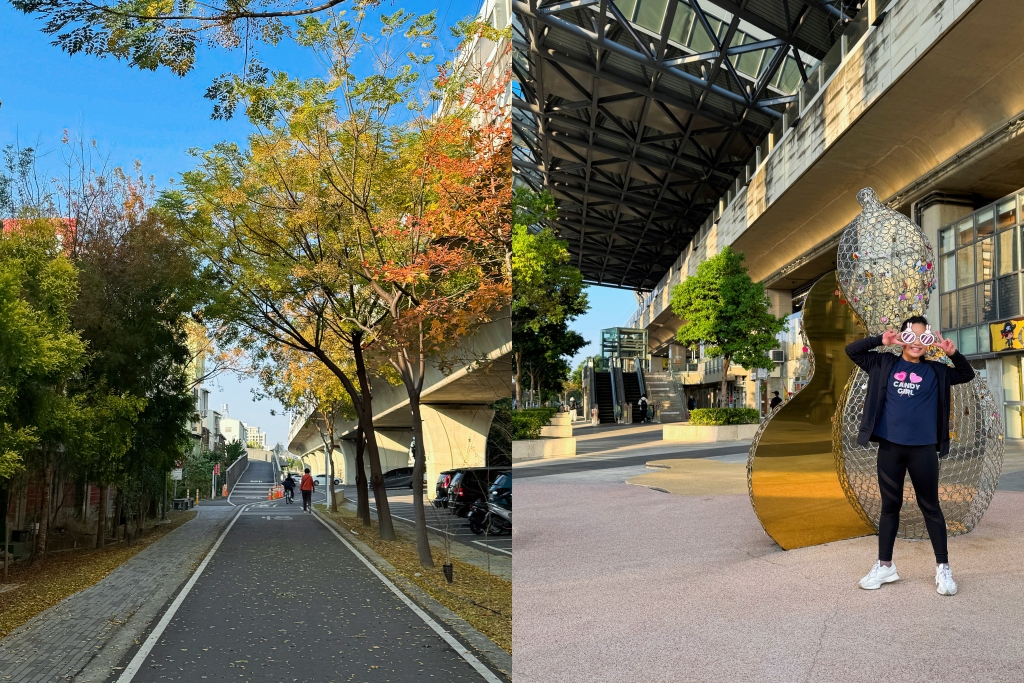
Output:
(968, 308)
(651, 14)
(948, 311)
(749, 61)
(702, 42)
(1014, 422)
(1009, 297)
(986, 221)
(965, 266)
(1007, 213)
(626, 7)
(1012, 390)
(947, 274)
(965, 231)
(681, 24)
(968, 342)
(983, 342)
(986, 303)
(1007, 252)
(952, 334)
(946, 240)
(984, 261)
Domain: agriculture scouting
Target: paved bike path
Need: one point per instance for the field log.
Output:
(284, 600)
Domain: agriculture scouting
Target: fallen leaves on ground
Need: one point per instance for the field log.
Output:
(62, 574)
(482, 599)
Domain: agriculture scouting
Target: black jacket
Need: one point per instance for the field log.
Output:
(880, 365)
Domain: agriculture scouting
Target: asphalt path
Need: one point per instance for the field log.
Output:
(282, 599)
(547, 468)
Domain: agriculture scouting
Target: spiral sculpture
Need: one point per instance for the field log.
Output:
(886, 273)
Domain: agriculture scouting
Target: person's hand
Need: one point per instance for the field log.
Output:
(890, 337)
(947, 345)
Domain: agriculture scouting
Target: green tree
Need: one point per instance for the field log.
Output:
(726, 312)
(547, 294)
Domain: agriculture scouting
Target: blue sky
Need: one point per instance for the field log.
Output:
(152, 117)
(608, 308)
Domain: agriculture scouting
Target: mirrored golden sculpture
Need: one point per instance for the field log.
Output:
(791, 472)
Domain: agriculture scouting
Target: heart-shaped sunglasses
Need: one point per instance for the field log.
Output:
(908, 336)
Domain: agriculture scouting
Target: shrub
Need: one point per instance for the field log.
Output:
(724, 416)
(526, 424)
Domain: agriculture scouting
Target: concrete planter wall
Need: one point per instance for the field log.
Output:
(686, 433)
(536, 449)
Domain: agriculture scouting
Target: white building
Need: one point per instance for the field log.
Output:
(233, 430)
(255, 437)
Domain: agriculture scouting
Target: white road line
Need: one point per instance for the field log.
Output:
(470, 658)
(140, 657)
(500, 550)
(440, 531)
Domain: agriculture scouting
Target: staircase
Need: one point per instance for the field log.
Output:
(666, 395)
(603, 395)
(631, 385)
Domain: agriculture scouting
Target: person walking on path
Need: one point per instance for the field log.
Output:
(643, 407)
(906, 411)
(775, 402)
(289, 488)
(306, 486)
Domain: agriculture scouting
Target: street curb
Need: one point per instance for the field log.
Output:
(484, 646)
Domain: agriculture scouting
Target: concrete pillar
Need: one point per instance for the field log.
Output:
(454, 436)
(934, 211)
(393, 445)
(346, 462)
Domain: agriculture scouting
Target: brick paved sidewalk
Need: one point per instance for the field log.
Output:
(84, 636)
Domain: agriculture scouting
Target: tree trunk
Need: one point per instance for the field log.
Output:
(101, 516)
(330, 473)
(44, 513)
(362, 497)
(725, 370)
(517, 380)
(419, 468)
(380, 496)
(118, 502)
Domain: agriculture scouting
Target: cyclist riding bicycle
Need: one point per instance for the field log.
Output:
(289, 488)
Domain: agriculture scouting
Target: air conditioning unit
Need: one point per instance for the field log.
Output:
(778, 355)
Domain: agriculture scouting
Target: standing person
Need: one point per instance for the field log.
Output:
(691, 403)
(906, 410)
(306, 486)
(289, 488)
(643, 407)
(775, 402)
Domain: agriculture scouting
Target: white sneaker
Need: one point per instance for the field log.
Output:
(944, 583)
(878, 575)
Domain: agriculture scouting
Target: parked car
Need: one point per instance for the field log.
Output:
(399, 478)
(471, 484)
(321, 480)
(441, 489)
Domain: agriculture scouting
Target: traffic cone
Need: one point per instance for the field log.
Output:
(224, 491)
(270, 494)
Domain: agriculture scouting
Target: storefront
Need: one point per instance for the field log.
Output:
(980, 299)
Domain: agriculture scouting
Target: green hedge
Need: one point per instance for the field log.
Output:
(724, 416)
(526, 423)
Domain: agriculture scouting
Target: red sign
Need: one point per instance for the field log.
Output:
(216, 469)
(178, 464)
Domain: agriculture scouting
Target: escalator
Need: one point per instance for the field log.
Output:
(631, 385)
(603, 396)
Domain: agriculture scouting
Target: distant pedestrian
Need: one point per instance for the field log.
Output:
(306, 485)
(691, 403)
(776, 401)
(643, 407)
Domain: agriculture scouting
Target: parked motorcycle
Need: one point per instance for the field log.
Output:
(493, 516)
(478, 517)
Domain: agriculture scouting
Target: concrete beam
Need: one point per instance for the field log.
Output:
(454, 436)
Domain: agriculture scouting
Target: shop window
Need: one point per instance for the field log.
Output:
(984, 341)
(968, 342)
(948, 311)
(1008, 252)
(947, 272)
(984, 261)
(1014, 422)
(968, 308)
(986, 304)
(1011, 378)
(1009, 296)
(946, 240)
(986, 222)
(965, 266)
(1007, 213)
(965, 231)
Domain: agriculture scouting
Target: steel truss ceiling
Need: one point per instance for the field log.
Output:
(638, 115)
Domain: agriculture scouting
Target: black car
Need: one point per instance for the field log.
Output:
(444, 480)
(400, 478)
(501, 491)
(471, 484)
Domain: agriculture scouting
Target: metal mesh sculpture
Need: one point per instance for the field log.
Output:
(886, 274)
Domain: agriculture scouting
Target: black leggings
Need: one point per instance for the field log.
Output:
(307, 499)
(894, 461)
